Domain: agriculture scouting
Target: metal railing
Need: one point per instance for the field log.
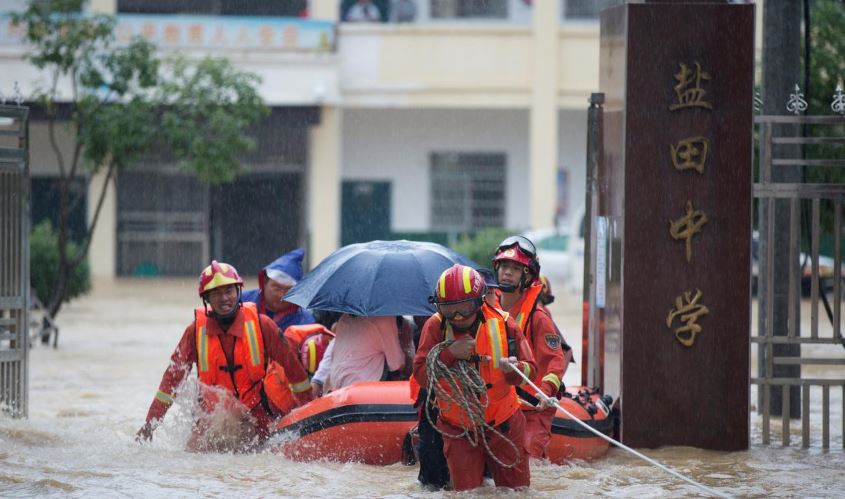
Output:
(14, 259)
(811, 200)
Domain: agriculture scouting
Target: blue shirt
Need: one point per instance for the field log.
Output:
(295, 316)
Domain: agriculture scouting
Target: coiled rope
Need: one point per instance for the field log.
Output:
(466, 389)
(701, 486)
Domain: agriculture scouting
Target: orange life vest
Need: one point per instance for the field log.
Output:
(491, 340)
(244, 377)
(527, 304)
(497, 298)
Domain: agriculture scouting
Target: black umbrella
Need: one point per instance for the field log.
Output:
(377, 278)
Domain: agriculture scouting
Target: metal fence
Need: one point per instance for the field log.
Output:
(821, 358)
(14, 259)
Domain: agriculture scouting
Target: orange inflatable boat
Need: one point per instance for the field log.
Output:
(368, 423)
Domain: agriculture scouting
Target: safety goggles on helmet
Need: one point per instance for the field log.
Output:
(523, 243)
(464, 309)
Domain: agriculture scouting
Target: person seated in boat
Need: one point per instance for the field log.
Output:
(232, 346)
(517, 270)
(274, 282)
(312, 347)
(311, 342)
(467, 329)
(364, 349)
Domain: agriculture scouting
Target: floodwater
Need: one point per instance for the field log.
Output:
(89, 397)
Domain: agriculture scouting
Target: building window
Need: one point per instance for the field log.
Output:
(467, 191)
(586, 9)
(473, 9)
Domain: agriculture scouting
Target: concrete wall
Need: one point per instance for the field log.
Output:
(394, 145)
(461, 65)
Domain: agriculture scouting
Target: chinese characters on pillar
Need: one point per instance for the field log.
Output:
(687, 226)
(689, 90)
(689, 310)
(689, 153)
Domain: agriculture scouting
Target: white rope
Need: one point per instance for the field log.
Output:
(542, 395)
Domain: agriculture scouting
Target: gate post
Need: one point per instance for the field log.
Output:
(14, 260)
(592, 353)
(678, 84)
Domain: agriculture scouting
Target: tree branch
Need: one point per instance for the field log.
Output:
(51, 127)
(74, 204)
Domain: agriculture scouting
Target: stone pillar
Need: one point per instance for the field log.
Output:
(542, 182)
(324, 186)
(102, 254)
(676, 188)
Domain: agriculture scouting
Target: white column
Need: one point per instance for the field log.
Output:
(102, 254)
(543, 130)
(103, 6)
(325, 10)
(324, 185)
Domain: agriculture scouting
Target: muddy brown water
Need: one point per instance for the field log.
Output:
(89, 397)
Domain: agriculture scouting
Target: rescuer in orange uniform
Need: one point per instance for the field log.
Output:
(232, 345)
(311, 341)
(492, 343)
(517, 271)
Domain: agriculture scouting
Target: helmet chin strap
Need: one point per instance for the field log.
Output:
(510, 288)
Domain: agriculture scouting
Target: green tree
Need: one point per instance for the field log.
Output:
(827, 69)
(44, 261)
(481, 246)
(125, 101)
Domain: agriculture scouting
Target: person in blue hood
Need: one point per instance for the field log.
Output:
(274, 281)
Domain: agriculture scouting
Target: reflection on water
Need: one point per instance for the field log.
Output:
(89, 397)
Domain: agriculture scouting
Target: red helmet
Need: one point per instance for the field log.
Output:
(459, 283)
(521, 250)
(312, 350)
(218, 275)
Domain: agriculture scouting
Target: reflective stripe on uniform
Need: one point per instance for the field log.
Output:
(553, 379)
(252, 343)
(495, 341)
(519, 317)
(301, 386)
(526, 370)
(164, 397)
(202, 349)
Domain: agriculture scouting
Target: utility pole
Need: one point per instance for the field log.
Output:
(781, 67)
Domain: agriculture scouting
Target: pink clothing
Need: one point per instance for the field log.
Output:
(361, 347)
